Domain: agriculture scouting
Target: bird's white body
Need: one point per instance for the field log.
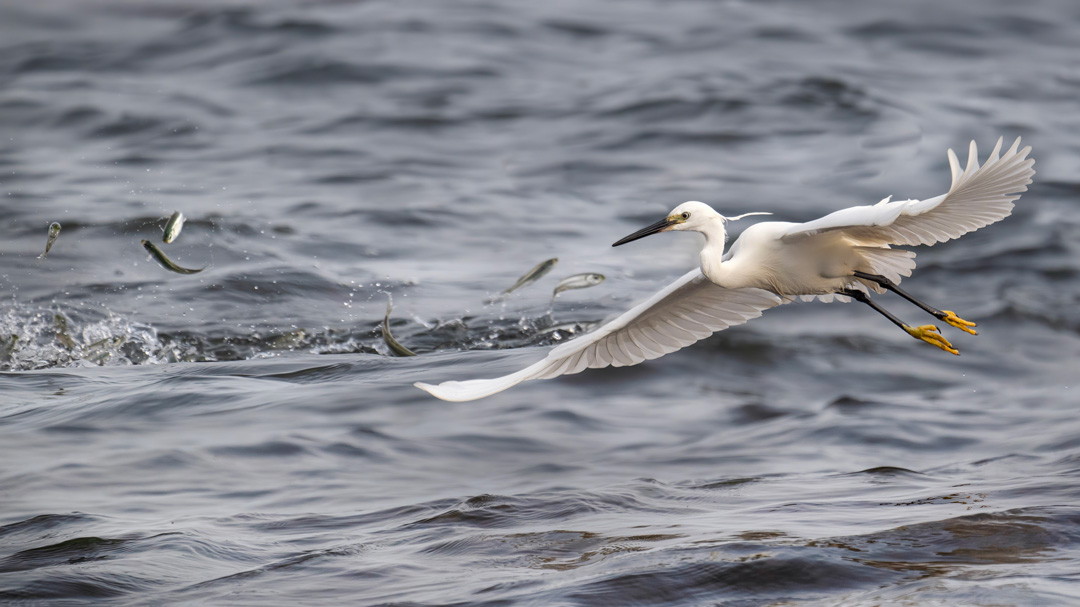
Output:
(822, 265)
(760, 259)
(849, 251)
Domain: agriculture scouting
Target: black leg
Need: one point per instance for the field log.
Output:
(858, 295)
(890, 285)
(946, 315)
(927, 333)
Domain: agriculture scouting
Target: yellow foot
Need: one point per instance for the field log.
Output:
(954, 320)
(929, 334)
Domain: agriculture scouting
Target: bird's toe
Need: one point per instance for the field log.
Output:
(930, 334)
(954, 320)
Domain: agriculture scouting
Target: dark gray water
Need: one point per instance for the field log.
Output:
(240, 436)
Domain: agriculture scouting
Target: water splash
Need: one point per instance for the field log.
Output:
(34, 337)
(39, 338)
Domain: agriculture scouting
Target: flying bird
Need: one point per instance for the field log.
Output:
(844, 255)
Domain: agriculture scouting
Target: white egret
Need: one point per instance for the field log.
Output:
(846, 254)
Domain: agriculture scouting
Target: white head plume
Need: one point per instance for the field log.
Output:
(738, 217)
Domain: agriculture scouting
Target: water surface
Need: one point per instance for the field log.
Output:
(241, 436)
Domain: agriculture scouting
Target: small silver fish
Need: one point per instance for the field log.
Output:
(108, 342)
(533, 275)
(395, 345)
(173, 227)
(54, 231)
(165, 261)
(568, 329)
(577, 281)
(8, 344)
(103, 349)
(60, 329)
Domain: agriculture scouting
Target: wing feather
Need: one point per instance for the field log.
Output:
(978, 197)
(689, 309)
(628, 348)
(577, 364)
(651, 349)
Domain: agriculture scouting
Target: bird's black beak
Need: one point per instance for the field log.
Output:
(655, 228)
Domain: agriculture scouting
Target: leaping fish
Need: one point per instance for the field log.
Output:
(577, 281)
(173, 227)
(530, 277)
(54, 231)
(395, 345)
(533, 275)
(165, 261)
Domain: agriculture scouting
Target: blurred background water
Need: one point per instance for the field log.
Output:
(240, 436)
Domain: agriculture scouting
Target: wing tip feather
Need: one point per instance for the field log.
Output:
(954, 167)
(448, 391)
(473, 389)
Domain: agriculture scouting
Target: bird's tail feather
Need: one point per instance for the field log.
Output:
(893, 264)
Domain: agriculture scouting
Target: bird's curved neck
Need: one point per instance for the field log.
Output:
(715, 233)
(713, 251)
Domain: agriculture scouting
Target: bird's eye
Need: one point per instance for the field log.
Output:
(685, 215)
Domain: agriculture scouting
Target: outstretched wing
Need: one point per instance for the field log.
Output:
(979, 196)
(689, 309)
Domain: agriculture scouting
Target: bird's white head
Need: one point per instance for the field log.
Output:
(692, 215)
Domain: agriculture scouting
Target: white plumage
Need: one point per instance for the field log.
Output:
(689, 309)
(979, 196)
(841, 255)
